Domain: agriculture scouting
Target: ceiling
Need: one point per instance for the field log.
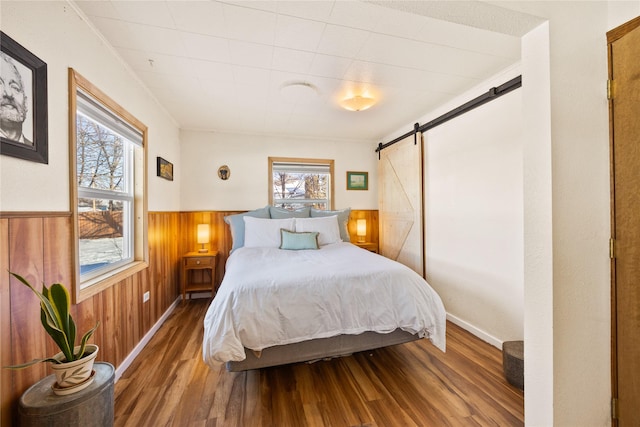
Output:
(282, 67)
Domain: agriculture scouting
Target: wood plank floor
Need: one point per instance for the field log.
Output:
(411, 384)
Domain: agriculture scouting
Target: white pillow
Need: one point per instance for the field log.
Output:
(327, 227)
(265, 233)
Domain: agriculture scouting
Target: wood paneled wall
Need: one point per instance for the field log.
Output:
(220, 234)
(372, 224)
(38, 247)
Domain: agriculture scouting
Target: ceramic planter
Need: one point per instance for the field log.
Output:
(74, 376)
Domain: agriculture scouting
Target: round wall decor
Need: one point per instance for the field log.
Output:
(224, 172)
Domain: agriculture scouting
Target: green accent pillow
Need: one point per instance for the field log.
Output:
(297, 241)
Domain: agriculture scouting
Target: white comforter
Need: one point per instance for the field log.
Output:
(271, 297)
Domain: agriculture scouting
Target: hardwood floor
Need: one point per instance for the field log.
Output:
(412, 384)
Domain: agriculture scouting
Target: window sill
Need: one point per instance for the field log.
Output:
(100, 283)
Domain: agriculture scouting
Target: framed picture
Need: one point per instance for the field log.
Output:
(165, 169)
(357, 180)
(23, 107)
(224, 173)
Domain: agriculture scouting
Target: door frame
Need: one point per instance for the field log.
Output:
(612, 36)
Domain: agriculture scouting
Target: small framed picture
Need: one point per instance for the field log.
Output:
(23, 116)
(224, 173)
(165, 169)
(357, 180)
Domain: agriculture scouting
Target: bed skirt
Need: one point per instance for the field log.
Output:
(318, 349)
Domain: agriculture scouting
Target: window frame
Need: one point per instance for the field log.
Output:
(83, 290)
(294, 160)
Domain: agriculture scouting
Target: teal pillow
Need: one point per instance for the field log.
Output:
(280, 213)
(236, 223)
(343, 220)
(297, 241)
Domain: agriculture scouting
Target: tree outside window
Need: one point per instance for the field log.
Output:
(296, 183)
(108, 181)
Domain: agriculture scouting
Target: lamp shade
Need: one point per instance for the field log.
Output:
(361, 229)
(202, 236)
(358, 103)
(203, 233)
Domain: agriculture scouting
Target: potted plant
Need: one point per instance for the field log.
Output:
(73, 366)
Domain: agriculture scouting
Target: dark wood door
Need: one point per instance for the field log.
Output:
(624, 73)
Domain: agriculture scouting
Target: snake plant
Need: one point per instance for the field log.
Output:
(55, 304)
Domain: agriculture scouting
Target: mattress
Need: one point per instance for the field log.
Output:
(271, 297)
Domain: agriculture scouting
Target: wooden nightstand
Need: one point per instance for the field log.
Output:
(370, 246)
(199, 272)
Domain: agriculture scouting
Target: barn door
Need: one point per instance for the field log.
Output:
(400, 202)
(624, 72)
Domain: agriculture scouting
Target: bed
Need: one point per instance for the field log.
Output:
(278, 305)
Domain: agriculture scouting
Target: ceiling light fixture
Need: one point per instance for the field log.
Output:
(298, 90)
(358, 103)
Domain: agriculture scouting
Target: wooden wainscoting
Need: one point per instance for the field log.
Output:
(372, 224)
(220, 234)
(38, 247)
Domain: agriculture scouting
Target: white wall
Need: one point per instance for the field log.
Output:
(56, 33)
(247, 158)
(567, 277)
(474, 215)
(580, 214)
(621, 12)
(538, 228)
(566, 216)
(474, 212)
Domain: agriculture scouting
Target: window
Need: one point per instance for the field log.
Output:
(108, 189)
(295, 183)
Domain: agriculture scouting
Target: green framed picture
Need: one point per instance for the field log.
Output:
(357, 180)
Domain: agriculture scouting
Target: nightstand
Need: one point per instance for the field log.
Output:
(199, 272)
(370, 246)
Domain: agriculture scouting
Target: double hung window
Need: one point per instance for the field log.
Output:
(108, 185)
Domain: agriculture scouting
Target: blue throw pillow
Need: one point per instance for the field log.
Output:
(236, 223)
(298, 241)
(343, 220)
(280, 213)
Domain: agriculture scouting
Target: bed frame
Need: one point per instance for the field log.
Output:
(318, 349)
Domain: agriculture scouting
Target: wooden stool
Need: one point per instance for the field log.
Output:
(513, 362)
(93, 406)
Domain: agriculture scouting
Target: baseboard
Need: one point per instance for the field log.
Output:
(145, 340)
(475, 331)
